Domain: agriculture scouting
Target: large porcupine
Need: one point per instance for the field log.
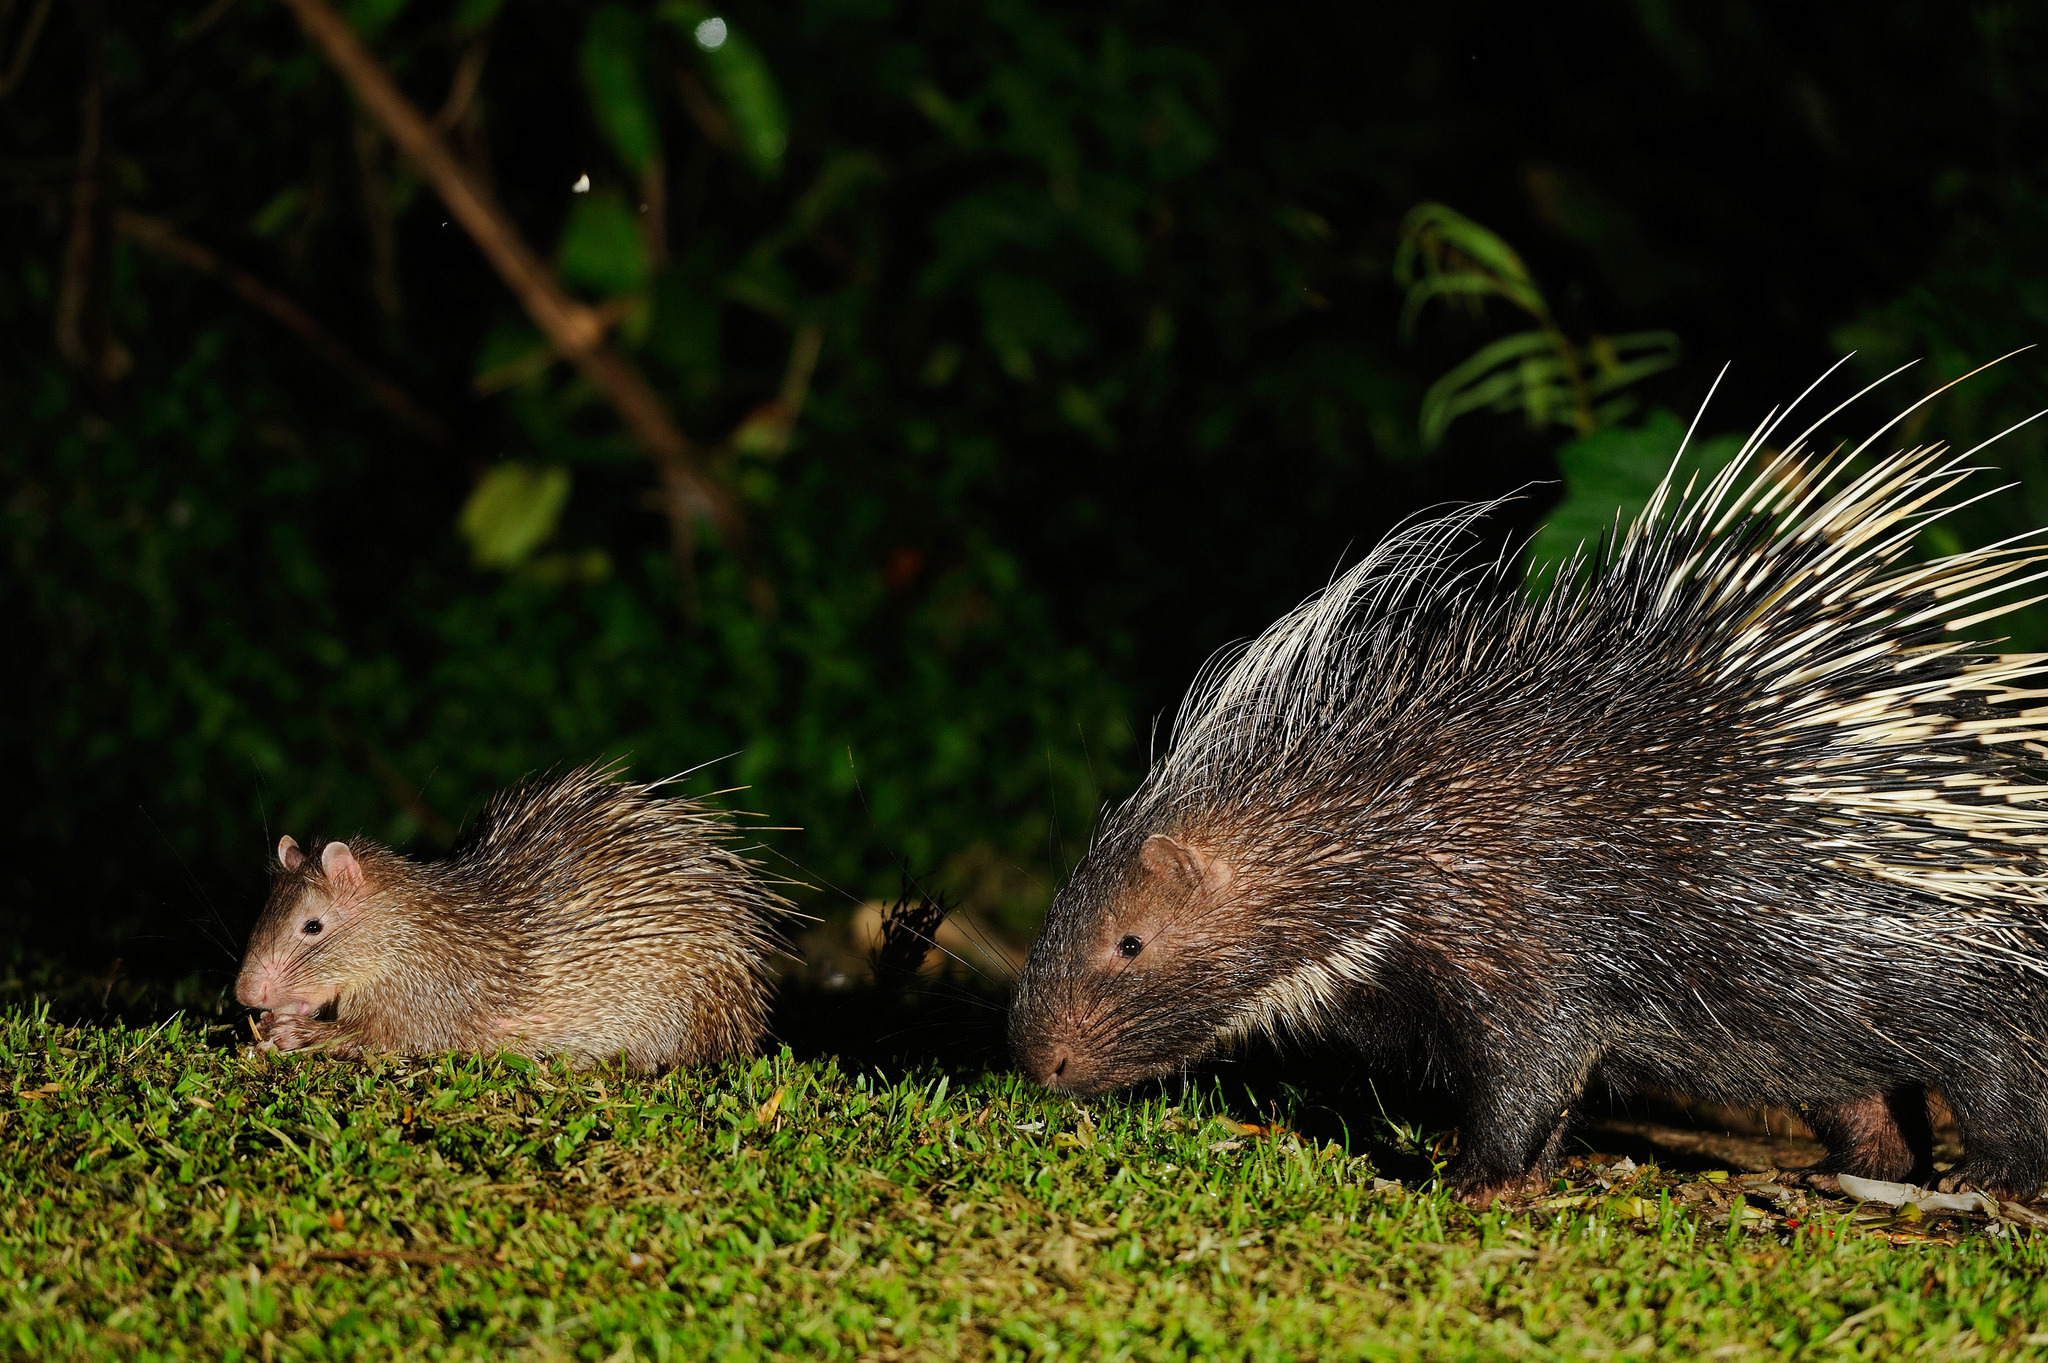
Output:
(1727, 811)
(581, 916)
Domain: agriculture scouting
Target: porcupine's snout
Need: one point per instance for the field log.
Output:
(1046, 1045)
(267, 986)
(1061, 1068)
(254, 987)
(1072, 1030)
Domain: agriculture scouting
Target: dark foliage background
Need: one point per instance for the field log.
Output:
(1108, 372)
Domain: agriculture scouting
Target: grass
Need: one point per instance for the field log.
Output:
(164, 1194)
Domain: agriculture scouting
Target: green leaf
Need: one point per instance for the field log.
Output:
(513, 353)
(473, 16)
(1619, 361)
(742, 79)
(1609, 477)
(1443, 252)
(272, 217)
(613, 45)
(512, 511)
(1513, 371)
(685, 333)
(601, 247)
(371, 17)
(1084, 412)
(1022, 316)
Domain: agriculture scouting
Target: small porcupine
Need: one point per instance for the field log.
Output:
(581, 916)
(1725, 811)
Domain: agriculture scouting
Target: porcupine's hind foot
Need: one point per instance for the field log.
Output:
(1880, 1135)
(2005, 1138)
(2012, 1177)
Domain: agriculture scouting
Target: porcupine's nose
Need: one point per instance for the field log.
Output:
(1060, 1069)
(252, 990)
(1042, 1063)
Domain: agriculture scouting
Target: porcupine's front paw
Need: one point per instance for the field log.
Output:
(1480, 1193)
(297, 1032)
(1508, 1147)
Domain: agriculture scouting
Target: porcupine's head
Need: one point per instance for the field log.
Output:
(1137, 966)
(1240, 890)
(323, 932)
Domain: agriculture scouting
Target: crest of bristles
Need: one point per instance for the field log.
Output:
(1731, 808)
(582, 916)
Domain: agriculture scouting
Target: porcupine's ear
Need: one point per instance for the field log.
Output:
(342, 869)
(1177, 862)
(288, 854)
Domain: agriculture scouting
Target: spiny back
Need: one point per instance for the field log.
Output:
(1759, 650)
(591, 857)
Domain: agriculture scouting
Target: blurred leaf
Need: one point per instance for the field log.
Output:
(512, 511)
(512, 354)
(1444, 254)
(940, 365)
(685, 330)
(272, 217)
(1520, 370)
(766, 285)
(371, 17)
(843, 175)
(564, 566)
(1539, 372)
(473, 16)
(602, 248)
(944, 113)
(742, 79)
(763, 431)
(614, 44)
(1082, 411)
(1022, 316)
(1609, 477)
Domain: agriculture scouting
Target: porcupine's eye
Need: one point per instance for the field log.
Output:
(312, 928)
(1129, 947)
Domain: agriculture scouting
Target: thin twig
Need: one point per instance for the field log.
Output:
(160, 236)
(80, 313)
(208, 17)
(469, 73)
(707, 113)
(574, 328)
(24, 48)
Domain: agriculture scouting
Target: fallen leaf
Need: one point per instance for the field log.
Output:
(766, 1112)
(1253, 1128)
(1632, 1208)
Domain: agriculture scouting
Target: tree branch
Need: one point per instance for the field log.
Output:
(160, 236)
(574, 328)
